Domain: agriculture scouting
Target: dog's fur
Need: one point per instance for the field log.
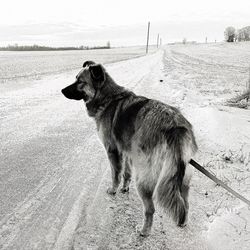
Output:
(136, 131)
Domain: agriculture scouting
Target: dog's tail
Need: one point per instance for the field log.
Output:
(180, 143)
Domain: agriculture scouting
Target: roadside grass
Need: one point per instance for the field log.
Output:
(242, 100)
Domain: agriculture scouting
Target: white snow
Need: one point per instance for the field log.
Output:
(54, 170)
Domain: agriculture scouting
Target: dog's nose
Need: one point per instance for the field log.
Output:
(64, 92)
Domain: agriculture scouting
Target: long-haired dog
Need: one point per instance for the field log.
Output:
(150, 136)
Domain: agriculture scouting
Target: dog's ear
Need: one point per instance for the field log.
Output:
(97, 73)
(88, 63)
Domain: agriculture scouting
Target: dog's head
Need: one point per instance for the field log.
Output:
(88, 81)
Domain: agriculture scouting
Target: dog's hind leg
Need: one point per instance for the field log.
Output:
(115, 159)
(185, 191)
(184, 194)
(149, 209)
(126, 177)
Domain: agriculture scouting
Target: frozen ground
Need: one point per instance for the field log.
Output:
(22, 67)
(54, 171)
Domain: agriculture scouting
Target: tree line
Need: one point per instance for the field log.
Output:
(239, 35)
(35, 47)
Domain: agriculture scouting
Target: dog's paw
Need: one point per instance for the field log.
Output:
(182, 225)
(124, 190)
(111, 191)
(143, 232)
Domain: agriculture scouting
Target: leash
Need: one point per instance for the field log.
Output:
(219, 182)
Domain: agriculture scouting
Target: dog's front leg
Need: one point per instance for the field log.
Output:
(115, 159)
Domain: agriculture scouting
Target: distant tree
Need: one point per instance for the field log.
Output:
(108, 44)
(230, 34)
(243, 34)
(240, 36)
(247, 35)
(184, 41)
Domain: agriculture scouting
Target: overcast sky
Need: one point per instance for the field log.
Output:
(122, 22)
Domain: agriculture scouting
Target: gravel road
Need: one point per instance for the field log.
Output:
(54, 171)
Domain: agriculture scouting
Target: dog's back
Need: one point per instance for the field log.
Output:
(159, 142)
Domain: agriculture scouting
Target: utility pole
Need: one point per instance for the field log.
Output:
(157, 41)
(147, 37)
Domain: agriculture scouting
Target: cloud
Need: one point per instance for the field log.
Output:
(75, 34)
(77, 22)
(69, 33)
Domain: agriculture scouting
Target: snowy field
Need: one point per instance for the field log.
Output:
(19, 67)
(54, 171)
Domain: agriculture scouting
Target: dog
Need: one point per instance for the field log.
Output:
(148, 136)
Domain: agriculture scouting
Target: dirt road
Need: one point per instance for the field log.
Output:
(54, 171)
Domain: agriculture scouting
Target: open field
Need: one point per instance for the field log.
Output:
(54, 171)
(17, 67)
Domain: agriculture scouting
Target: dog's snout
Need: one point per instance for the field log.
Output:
(71, 92)
(63, 91)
